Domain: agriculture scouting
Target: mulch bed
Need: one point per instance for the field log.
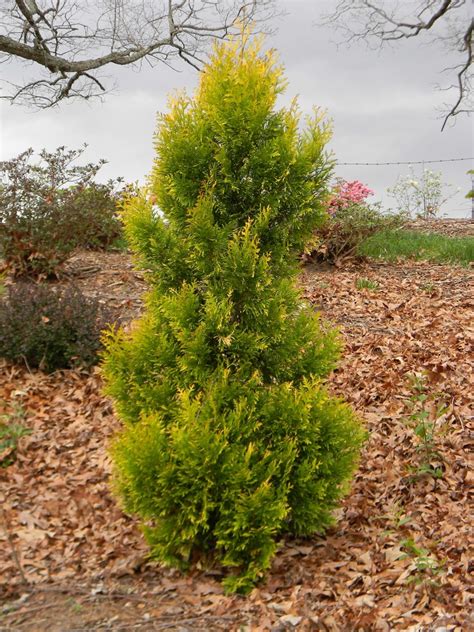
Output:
(448, 227)
(400, 557)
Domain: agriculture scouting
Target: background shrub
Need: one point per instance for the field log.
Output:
(348, 227)
(344, 193)
(230, 438)
(94, 208)
(50, 329)
(49, 208)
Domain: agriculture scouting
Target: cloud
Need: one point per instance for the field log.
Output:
(383, 104)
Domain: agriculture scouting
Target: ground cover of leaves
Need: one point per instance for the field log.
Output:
(449, 227)
(400, 557)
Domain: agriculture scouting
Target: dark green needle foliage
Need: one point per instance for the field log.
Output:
(230, 439)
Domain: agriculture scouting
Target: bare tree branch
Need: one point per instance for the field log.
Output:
(69, 41)
(381, 21)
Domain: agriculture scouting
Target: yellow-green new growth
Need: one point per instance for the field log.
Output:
(230, 439)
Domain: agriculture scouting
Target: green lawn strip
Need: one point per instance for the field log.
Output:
(393, 244)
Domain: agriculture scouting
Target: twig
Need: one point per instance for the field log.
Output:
(72, 590)
(22, 614)
(159, 624)
(6, 528)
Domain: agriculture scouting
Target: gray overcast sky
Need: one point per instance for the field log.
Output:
(383, 105)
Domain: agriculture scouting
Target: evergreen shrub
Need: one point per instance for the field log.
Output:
(50, 329)
(230, 438)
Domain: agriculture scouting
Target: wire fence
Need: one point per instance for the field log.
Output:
(462, 205)
(403, 162)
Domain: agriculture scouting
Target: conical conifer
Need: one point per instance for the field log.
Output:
(230, 440)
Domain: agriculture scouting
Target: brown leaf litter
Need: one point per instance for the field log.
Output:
(400, 557)
(446, 226)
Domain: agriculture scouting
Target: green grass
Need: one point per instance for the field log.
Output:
(366, 284)
(120, 244)
(393, 244)
(12, 428)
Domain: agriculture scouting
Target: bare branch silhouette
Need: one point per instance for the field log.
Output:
(381, 21)
(69, 42)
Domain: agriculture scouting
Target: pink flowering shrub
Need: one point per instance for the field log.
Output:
(346, 193)
(351, 221)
